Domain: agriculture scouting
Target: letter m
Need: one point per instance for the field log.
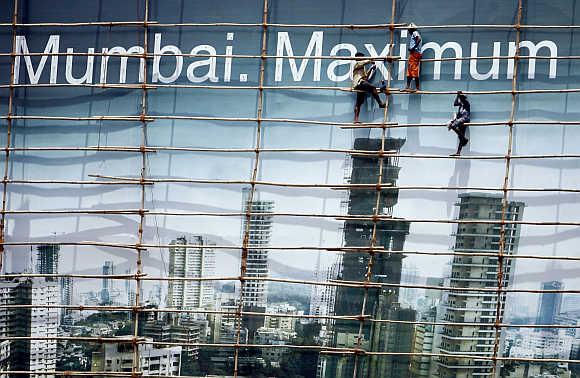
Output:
(438, 51)
(533, 52)
(284, 44)
(52, 47)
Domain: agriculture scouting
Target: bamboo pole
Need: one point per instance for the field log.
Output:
(499, 310)
(8, 137)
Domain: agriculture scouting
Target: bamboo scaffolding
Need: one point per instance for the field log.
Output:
(144, 181)
(373, 242)
(499, 312)
(333, 283)
(8, 137)
(369, 153)
(353, 317)
(254, 175)
(390, 91)
(343, 125)
(143, 175)
(307, 249)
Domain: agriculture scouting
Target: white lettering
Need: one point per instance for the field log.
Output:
(123, 66)
(331, 70)
(158, 51)
(403, 55)
(438, 50)
(315, 45)
(88, 76)
(211, 62)
(52, 47)
(380, 64)
(493, 71)
(533, 51)
(228, 59)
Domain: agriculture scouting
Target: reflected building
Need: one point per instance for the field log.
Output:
(193, 258)
(381, 303)
(477, 272)
(259, 231)
(66, 294)
(550, 303)
(423, 364)
(47, 256)
(108, 270)
(153, 360)
(32, 355)
(254, 293)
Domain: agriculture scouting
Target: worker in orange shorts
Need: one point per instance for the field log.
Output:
(414, 63)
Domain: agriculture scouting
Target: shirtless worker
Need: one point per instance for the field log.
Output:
(361, 83)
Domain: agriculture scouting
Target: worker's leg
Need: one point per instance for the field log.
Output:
(417, 83)
(360, 99)
(459, 127)
(368, 87)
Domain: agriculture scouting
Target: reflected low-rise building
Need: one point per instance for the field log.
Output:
(119, 357)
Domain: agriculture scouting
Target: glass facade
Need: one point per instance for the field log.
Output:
(185, 191)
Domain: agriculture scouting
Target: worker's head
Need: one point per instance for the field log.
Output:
(412, 27)
(461, 97)
(359, 54)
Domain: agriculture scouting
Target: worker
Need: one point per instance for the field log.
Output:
(361, 77)
(414, 62)
(458, 123)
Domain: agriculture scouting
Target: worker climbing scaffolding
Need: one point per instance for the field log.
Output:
(361, 77)
(458, 123)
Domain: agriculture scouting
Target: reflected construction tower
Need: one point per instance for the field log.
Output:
(381, 303)
(477, 272)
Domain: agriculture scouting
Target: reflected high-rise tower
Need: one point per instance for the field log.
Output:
(386, 268)
(108, 270)
(259, 228)
(550, 303)
(477, 272)
(254, 293)
(47, 259)
(195, 261)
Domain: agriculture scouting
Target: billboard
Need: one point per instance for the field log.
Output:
(128, 126)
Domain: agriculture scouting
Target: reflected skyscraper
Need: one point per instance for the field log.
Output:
(550, 303)
(108, 270)
(254, 293)
(195, 261)
(381, 303)
(477, 272)
(66, 294)
(47, 259)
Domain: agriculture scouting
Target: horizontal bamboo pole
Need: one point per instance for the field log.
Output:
(157, 24)
(353, 317)
(328, 283)
(352, 152)
(150, 55)
(307, 249)
(391, 91)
